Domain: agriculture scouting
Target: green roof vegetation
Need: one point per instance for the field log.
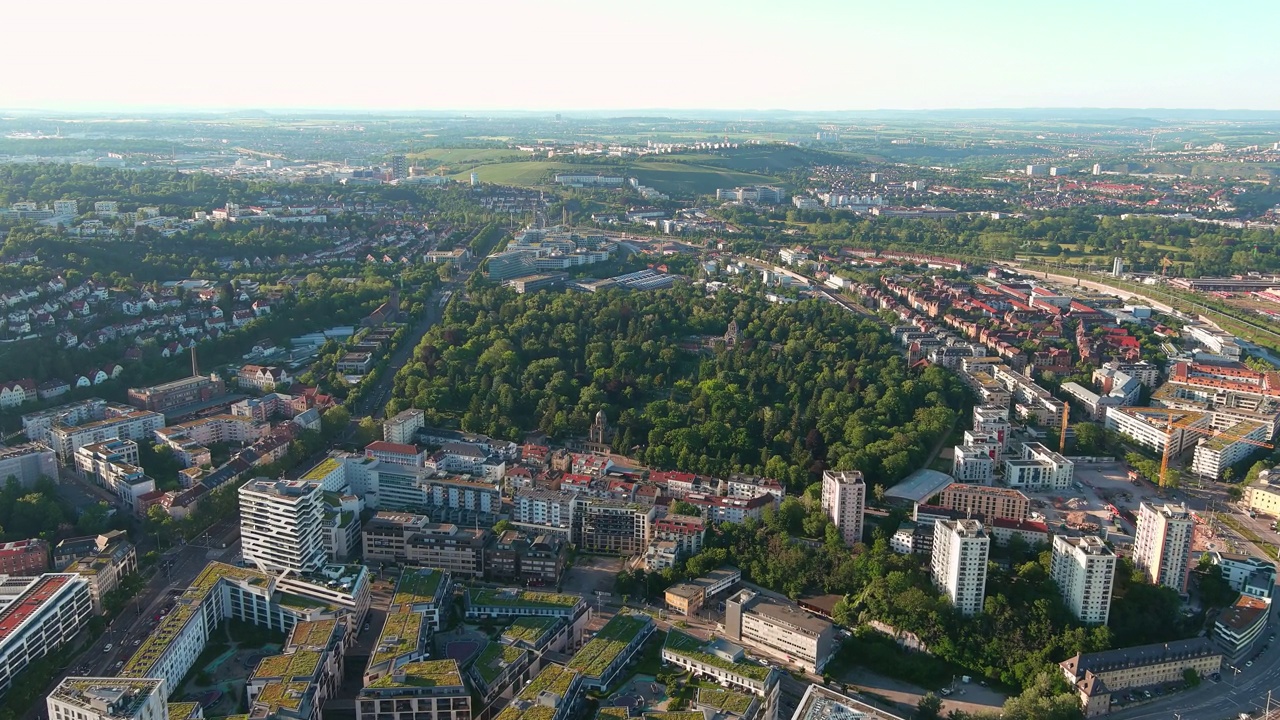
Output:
(597, 655)
(146, 656)
(521, 598)
(608, 712)
(425, 673)
(532, 712)
(312, 633)
(417, 585)
(680, 715)
(183, 710)
(695, 649)
(495, 658)
(399, 637)
(529, 629)
(322, 471)
(297, 665)
(725, 700)
(303, 603)
(553, 678)
(282, 695)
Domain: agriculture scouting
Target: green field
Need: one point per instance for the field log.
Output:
(466, 156)
(668, 176)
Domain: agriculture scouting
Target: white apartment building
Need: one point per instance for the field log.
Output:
(1162, 544)
(28, 462)
(39, 615)
(281, 525)
(1215, 454)
(973, 464)
(132, 425)
(993, 420)
(1084, 569)
(402, 427)
(109, 698)
(844, 497)
(113, 465)
(1039, 468)
(1157, 428)
(780, 626)
(959, 562)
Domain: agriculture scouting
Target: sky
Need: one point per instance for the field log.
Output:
(565, 55)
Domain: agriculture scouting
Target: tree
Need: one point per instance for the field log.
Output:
(929, 707)
(94, 519)
(334, 421)
(502, 526)
(680, 507)
(1090, 439)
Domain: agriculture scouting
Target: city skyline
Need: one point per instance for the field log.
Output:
(570, 56)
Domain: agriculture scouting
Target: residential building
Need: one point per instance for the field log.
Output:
(1246, 574)
(959, 562)
(112, 559)
(553, 694)
(686, 531)
(108, 698)
(1100, 675)
(1237, 441)
(425, 592)
(280, 525)
(1240, 629)
(113, 465)
(272, 601)
(127, 424)
(38, 616)
(1039, 468)
(844, 501)
(993, 420)
(1159, 430)
(1263, 496)
(24, 557)
(985, 501)
(973, 464)
(614, 526)
(28, 462)
(603, 658)
(418, 690)
(187, 391)
(497, 668)
(413, 539)
(1084, 569)
(296, 683)
(517, 556)
(402, 428)
(724, 663)
(1032, 532)
(821, 703)
(781, 628)
(396, 454)
(263, 378)
(1162, 544)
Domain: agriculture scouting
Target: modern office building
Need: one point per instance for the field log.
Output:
(1246, 574)
(517, 556)
(108, 698)
(725, 663)
(39, 615)
(781, 628)
(959, 562)
(844, 496)
(1162, 544)
(1241, 628)
(281, 525)
(1084, 569)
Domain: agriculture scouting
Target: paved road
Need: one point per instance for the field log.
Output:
(1225, 700)
(375, 401)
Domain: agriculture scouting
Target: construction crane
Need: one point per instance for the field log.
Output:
(1165, 264)
(1062, 436)
(1185, 425)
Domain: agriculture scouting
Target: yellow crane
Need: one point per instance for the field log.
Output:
(1062, 436)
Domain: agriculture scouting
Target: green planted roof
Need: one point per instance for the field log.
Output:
(728, 701)
(425, 673)
(553, 678)
(521, 598)
(417, 585)
(695, 649)
(530, 629)
(597, 655)
(495, 658)
(399, 637)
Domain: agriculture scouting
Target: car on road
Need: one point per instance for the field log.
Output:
(1248, 663)
(944, 692)
(107, 648)
(137, 642)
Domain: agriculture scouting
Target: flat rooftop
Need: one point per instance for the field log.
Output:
(919, 486)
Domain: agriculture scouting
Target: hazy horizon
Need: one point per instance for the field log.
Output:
(815, 56)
